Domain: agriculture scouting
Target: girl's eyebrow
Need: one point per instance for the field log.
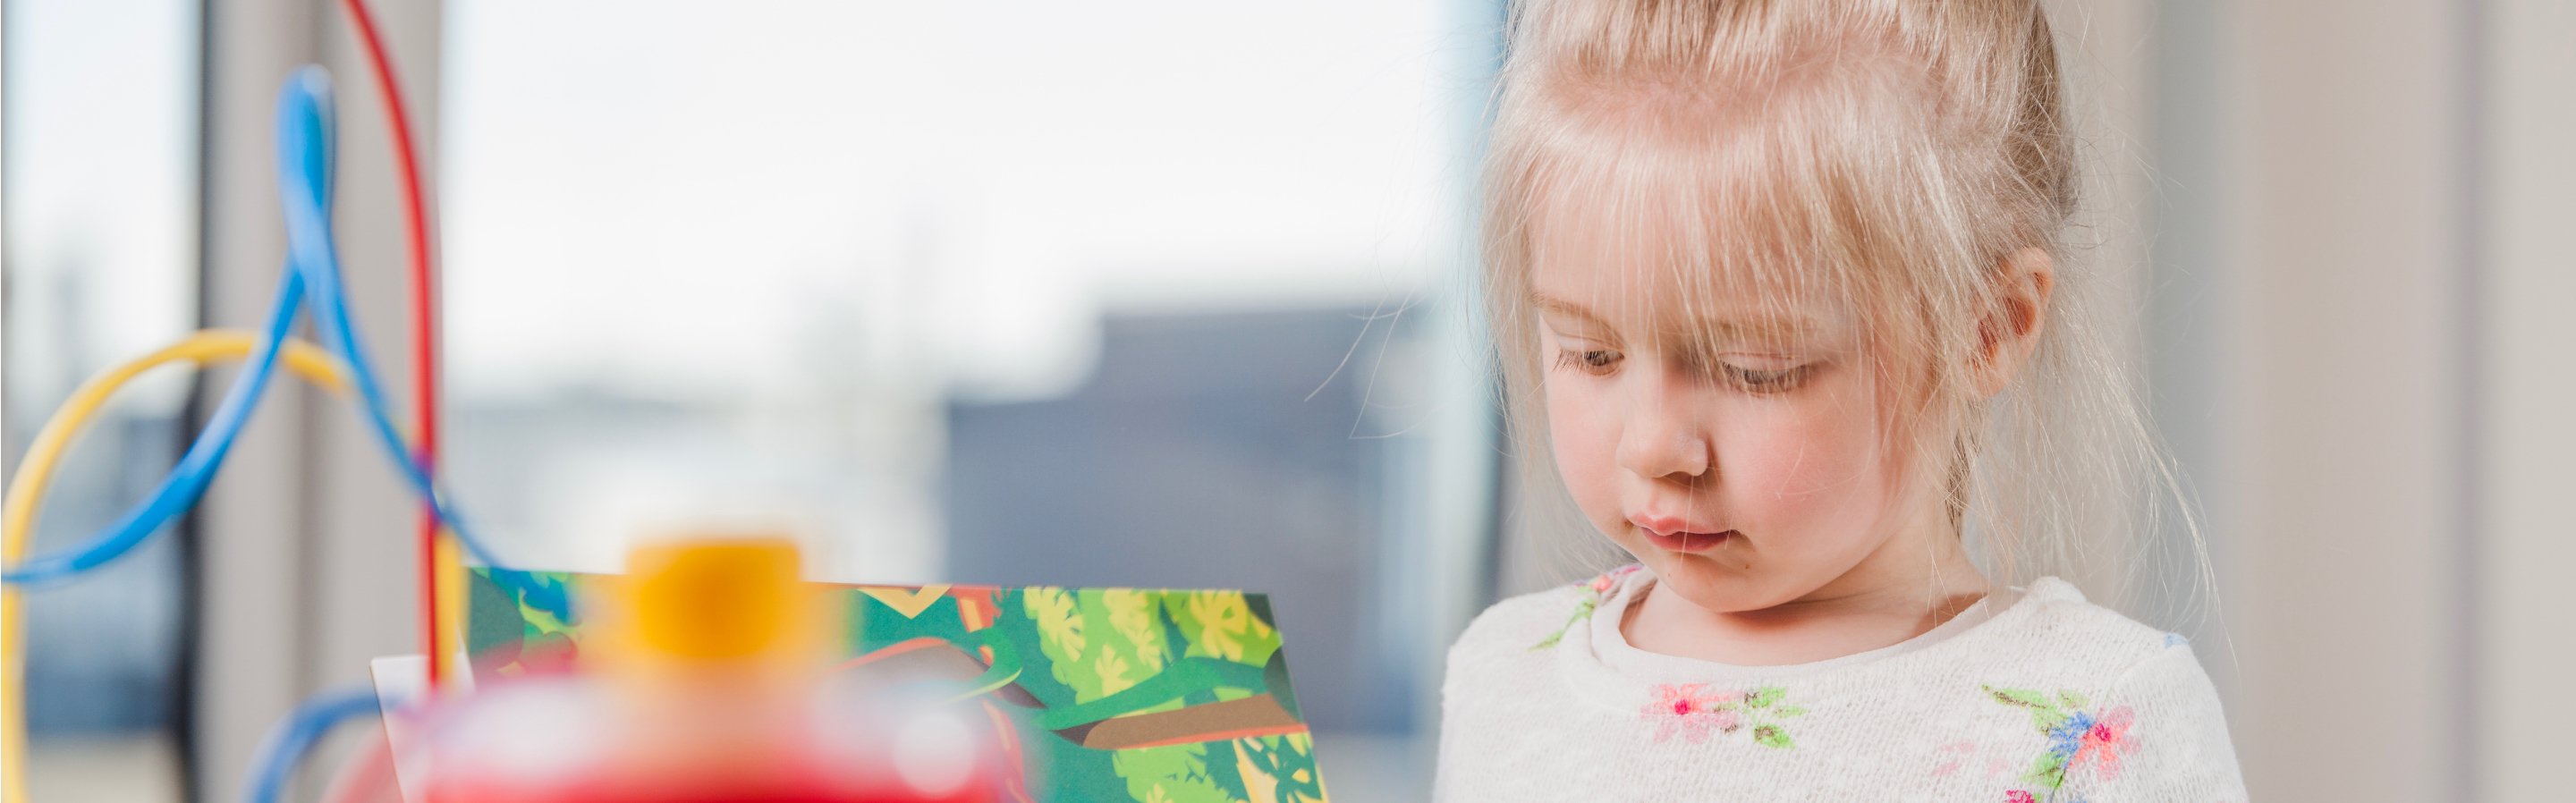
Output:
(1766, 328)
(1562, 307)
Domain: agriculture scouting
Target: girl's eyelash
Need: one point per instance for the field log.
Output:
(1587, 360)
(1780, 381)
(1601, 361)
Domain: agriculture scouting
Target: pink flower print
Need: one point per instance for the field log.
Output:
(2076, 737)
(2020, 796)
(1611, 578)
(1961, 752)
(2103, 743)
(1692, 711)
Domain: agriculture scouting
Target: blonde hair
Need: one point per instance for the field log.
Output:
(1890, 153)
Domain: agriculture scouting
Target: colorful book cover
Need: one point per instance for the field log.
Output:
(1105, 694)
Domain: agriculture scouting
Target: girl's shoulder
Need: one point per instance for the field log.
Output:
(1535, 621)
(2058, 619)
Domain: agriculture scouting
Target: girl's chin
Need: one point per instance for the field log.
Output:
(1710, 584)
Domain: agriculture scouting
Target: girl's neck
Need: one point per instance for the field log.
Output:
(1876, 604)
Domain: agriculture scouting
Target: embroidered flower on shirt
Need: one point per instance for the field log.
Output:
(1601, 585)
(1692, 711)
(1596, 591)
(2077, 738)
(2099, 741)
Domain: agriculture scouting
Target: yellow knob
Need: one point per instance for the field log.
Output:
(717, 601)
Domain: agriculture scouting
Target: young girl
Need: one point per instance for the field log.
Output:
(1780, 284)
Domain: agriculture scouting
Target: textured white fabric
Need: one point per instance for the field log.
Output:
(2044, 697)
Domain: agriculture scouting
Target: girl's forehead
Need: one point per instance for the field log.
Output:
(1633, 281)
(1655, 239)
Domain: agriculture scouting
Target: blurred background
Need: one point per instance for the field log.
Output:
(1153, 292)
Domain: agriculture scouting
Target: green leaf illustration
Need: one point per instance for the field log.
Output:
(1125, 631)
(2071, 701)
(1175, 774)
(1293, 764)
(2048, 770)
(2047, 719)
(2021, 697)
(1099, 642)
(1771, 736)
(1136, 616)
(1582, 611)
(1061, 637)
(1220, 624)
(1763, 697)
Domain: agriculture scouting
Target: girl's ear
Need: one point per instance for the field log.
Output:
(2010, 330)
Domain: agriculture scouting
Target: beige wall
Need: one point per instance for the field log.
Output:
(2349, 376)
(2380, 185)
(2527, 339)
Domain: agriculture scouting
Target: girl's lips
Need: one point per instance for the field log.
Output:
(1687, 541)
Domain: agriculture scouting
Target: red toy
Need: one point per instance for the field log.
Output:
(708, 687)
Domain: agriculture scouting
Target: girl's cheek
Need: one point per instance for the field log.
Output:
(1803, 469)
(1583, 428)
(1800, 470)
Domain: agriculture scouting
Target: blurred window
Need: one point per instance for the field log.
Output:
(98, 265)
(1012, 292)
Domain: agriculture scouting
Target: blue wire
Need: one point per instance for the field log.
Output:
(304, 170)
(303, 145)
(285, 745)
(187, 481)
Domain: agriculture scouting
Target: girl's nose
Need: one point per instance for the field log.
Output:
(1660, 441)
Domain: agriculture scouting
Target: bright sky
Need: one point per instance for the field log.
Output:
(669, 194)
(101, 184)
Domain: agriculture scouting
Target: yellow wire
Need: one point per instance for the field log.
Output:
(447, 626)
(27, 490)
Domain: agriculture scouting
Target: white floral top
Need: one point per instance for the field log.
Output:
(2033, 696)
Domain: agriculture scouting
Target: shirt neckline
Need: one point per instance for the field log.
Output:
(1613, 648)
(1598, 663)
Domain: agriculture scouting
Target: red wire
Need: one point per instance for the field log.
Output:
(424, 287)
